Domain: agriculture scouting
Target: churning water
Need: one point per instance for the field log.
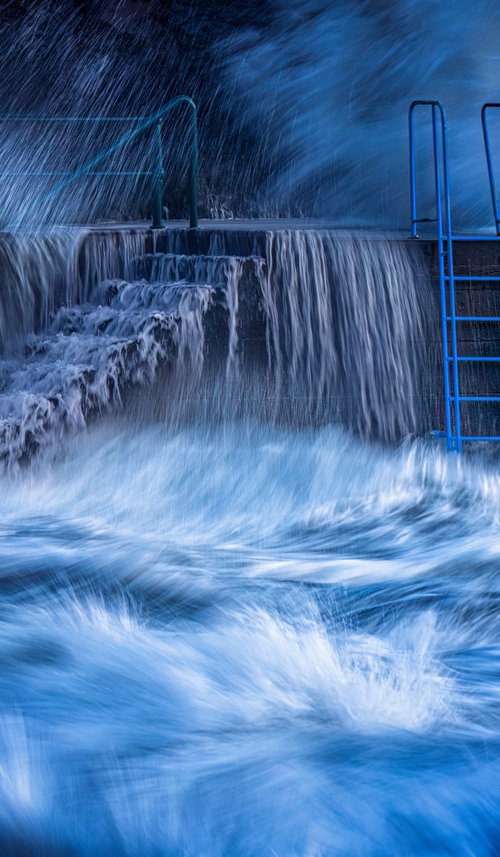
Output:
(231, 622)
(244, 640)
(245, 608)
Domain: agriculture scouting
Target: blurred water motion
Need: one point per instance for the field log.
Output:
(249, 641)
(244, 610)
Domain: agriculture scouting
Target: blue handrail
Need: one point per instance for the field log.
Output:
(445, 237)
(157, 173)
(487, 148)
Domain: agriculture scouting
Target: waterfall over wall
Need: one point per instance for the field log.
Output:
(37, 273)
(305, 328)
(41, 271)
(348, 329)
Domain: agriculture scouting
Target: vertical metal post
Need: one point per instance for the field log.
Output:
(442, 278)
(451, 283)
(193, 173)
(489, 161)
(413, 185)
(157, 205)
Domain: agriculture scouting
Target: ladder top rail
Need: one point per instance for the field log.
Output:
(419, 102)
(440, 163)
(490, 105)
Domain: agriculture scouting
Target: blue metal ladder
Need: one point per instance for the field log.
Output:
(447, 277)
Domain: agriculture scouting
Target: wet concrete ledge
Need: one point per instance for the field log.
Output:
(248, 237)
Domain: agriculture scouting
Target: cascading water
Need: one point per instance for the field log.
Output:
(246, 607)
(37, 272)
(343, 319)
(348, 329)
(231, 623)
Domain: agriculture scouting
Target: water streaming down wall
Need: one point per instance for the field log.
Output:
(346, 322)
(348, 328)
(311, 328)
(38, 272)
(42, 271)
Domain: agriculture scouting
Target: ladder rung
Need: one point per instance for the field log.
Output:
(439, 433)
(475, 238)
(479, 437)
(474, 279)
(474, 318)
(475, 359)
(475, 398)
(426, 220)
(465, 437)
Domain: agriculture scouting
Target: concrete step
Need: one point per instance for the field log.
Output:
(92, 353)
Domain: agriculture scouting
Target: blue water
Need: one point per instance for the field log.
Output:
(240, 640)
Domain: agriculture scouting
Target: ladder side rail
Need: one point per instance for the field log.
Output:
(441, 251)
(450, 440)
(489, 161)
(451, 269)
(413, 179)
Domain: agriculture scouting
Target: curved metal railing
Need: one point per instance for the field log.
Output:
(487, 148)
(156, 173)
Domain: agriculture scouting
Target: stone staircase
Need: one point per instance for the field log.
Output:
(172, 311)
